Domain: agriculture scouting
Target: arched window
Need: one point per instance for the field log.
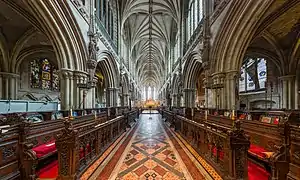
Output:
(253, 75)
(195, 15)
(43, 75)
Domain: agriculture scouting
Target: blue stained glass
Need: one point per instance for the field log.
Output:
(262, 72)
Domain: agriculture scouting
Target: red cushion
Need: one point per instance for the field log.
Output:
(257, 150)
(81, 152)
(221, 153)
(49, 171)
(45, 149)
(256, 172)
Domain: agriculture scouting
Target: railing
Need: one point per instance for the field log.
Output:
(78, 149)
(277, 139)
(294, 166)
(225, 149)
(19, 140)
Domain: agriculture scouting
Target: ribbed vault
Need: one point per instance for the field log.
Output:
(147, 28)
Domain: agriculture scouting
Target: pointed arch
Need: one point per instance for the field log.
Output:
(191, 70)
(61, 28)
(109, 67)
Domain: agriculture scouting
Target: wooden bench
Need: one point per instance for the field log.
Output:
(89, 144)
(294, 166)
(224, 148)
(34, 144)
(38, 142)
(268, 132)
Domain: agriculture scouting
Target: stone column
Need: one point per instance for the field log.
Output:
(126, 99)
(174, 103)
(189, 98)
(1, 88)
(178, 103)
(218, 89)
(296, 93)
(65, 88)
(9, 85)
(288, 91)
(112, 97)
(231, 89)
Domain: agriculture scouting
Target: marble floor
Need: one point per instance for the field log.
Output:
(151, 152)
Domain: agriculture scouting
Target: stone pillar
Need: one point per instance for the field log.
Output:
(179, 97)
(111, 97)
(218, 89)
(290, 94)
(189, 98)
(288, 91)
(1, 88)
(9, 85)
(174, 103)
(65, 89)
(296, 93)
(126, 99)
(231, 87)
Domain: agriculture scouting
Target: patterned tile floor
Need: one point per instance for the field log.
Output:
(150, 154)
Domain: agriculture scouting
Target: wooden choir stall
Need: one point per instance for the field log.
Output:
(62, 147)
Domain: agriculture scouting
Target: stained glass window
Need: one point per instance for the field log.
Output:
(43, 75)
(242, 79)
(262, 72)
(253, 75)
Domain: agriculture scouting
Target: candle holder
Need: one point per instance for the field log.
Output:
(71, 115)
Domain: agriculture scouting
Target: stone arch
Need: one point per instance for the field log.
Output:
(236, 32)
(109, 67)
(175, 83)
(29, 52)
(295, 56)
(60, 26)
(4, 53)
(191, 70)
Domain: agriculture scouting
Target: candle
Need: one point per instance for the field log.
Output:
(205, 114)
(233, 115)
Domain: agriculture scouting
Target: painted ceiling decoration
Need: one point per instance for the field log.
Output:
(147, 27)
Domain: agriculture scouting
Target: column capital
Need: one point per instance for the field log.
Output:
(66, 73)
(231, 74)
(218, 79)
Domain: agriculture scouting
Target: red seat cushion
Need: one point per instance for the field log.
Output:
(214, 150)
(44, 149)
(49, 171)
(257, 150)
(256, 172)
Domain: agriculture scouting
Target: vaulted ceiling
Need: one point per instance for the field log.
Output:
(148, 28)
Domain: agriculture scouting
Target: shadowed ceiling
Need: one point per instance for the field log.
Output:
(148, 28)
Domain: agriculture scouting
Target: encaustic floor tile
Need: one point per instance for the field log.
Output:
(150, 154)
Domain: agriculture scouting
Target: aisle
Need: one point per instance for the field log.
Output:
(150, 154)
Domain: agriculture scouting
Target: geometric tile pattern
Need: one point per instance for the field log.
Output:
(212, 172)
(150, 155)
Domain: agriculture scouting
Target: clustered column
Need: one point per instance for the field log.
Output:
(9, 82)
(230, 90)
(189, 98)
(112, 97)
(73, 97)
(174, 103)
(289, 95)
